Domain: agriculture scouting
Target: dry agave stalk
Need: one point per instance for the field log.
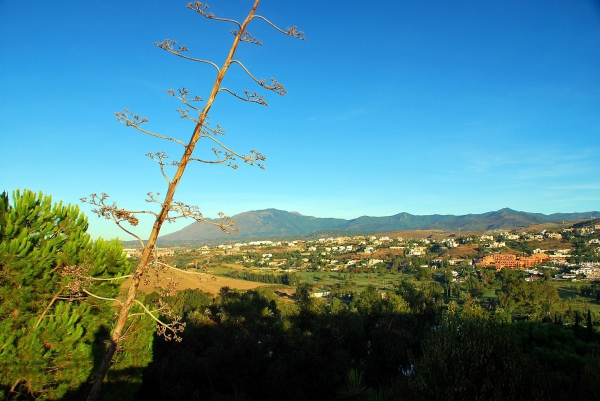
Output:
(150, 265)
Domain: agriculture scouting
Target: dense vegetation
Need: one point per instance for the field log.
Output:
(490, 336)
(407, 345)
(50, 337)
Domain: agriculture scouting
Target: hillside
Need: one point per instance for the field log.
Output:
(278, 223)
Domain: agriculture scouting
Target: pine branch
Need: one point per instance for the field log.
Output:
(54, 298)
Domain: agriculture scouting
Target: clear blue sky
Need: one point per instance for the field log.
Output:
(448, 107)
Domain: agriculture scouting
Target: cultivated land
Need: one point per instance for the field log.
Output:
(201, 281)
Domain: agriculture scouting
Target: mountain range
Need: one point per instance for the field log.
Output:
(278, 223)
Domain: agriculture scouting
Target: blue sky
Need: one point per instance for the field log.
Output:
(447, 107)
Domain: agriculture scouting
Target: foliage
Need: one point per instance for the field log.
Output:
(523, 299)
(422, 297)
(270, 278)
(474, 355)
(36, 238)
(239, 346)
(475, 287)
(469, 357)
(423, 273)
(305, 355)
(51, 359)
(353, 387)
(48, 337)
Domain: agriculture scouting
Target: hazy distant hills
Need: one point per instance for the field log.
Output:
(279, 223)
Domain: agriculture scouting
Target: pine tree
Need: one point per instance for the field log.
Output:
(47, 333)
(36, 237)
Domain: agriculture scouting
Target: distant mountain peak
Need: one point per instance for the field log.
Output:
(507, 210)
(280, 223)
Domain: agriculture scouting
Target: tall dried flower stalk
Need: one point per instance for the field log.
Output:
(150, 264)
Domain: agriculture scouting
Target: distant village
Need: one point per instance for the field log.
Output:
(571, 253)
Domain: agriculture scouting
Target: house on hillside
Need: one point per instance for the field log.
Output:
(450, 243)
(320, 294)
(592, 224)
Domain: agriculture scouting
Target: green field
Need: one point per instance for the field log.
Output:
(568, 291)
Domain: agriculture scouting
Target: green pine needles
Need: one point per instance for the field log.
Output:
(47, 333)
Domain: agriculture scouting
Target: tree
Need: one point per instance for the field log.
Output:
(423, 273)
(169, 208)
(469, 356)
(369, 301)
(47, 333)
(303, 291)
(522, 299)
(475, 288)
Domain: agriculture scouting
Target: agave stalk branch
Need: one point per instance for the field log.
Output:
(129, 301)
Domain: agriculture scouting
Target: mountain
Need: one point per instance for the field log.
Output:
(278, 223)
